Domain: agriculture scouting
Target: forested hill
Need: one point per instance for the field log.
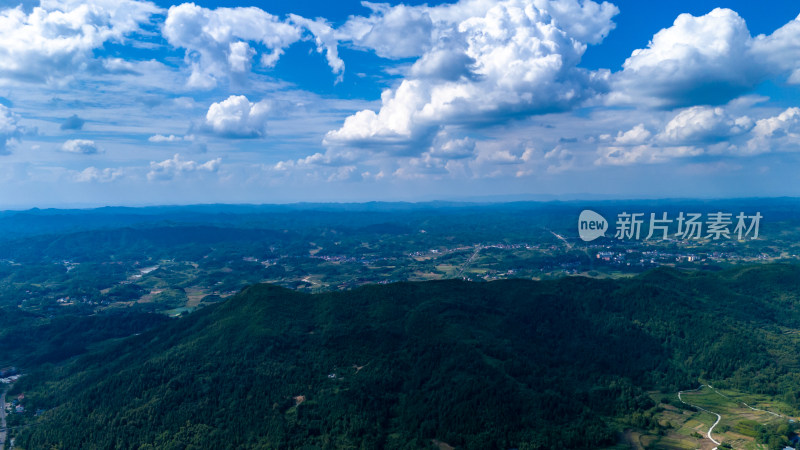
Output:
(507, 364)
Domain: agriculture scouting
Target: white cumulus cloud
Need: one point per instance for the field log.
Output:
(491, 61)
(703, 124)
(588, 22)
(82, 146)
(777, 133)
(391, 31)
(403, 31)
(237, 117)
(704, 131)
(781, 49)
(57, 37)
(93, 174)
(218, 41)
(444, 147)
(635, 136)
(170, 168)
(709, 59)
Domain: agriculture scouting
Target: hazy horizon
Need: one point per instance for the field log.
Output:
(456, 201)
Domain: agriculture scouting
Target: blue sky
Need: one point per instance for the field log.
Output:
(128, 102)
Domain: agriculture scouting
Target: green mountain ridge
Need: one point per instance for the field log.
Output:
(507, 364)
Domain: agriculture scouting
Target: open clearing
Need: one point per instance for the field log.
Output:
(689, 429)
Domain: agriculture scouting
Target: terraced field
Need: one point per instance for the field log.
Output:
(740, 415)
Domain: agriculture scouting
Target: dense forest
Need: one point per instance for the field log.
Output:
(30, 340)
(506, 364)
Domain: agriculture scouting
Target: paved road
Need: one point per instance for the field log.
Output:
(566, 242)
(469, 261)
(695, 406)
(762, 410)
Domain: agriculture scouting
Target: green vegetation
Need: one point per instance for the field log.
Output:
(87, 258)
(566, 363)
(30, 340)
(746, 421)
(563, 363)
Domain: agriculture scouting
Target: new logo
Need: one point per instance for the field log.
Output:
(591, 225)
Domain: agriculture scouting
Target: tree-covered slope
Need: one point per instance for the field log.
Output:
(508, 364)
(30, 340)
